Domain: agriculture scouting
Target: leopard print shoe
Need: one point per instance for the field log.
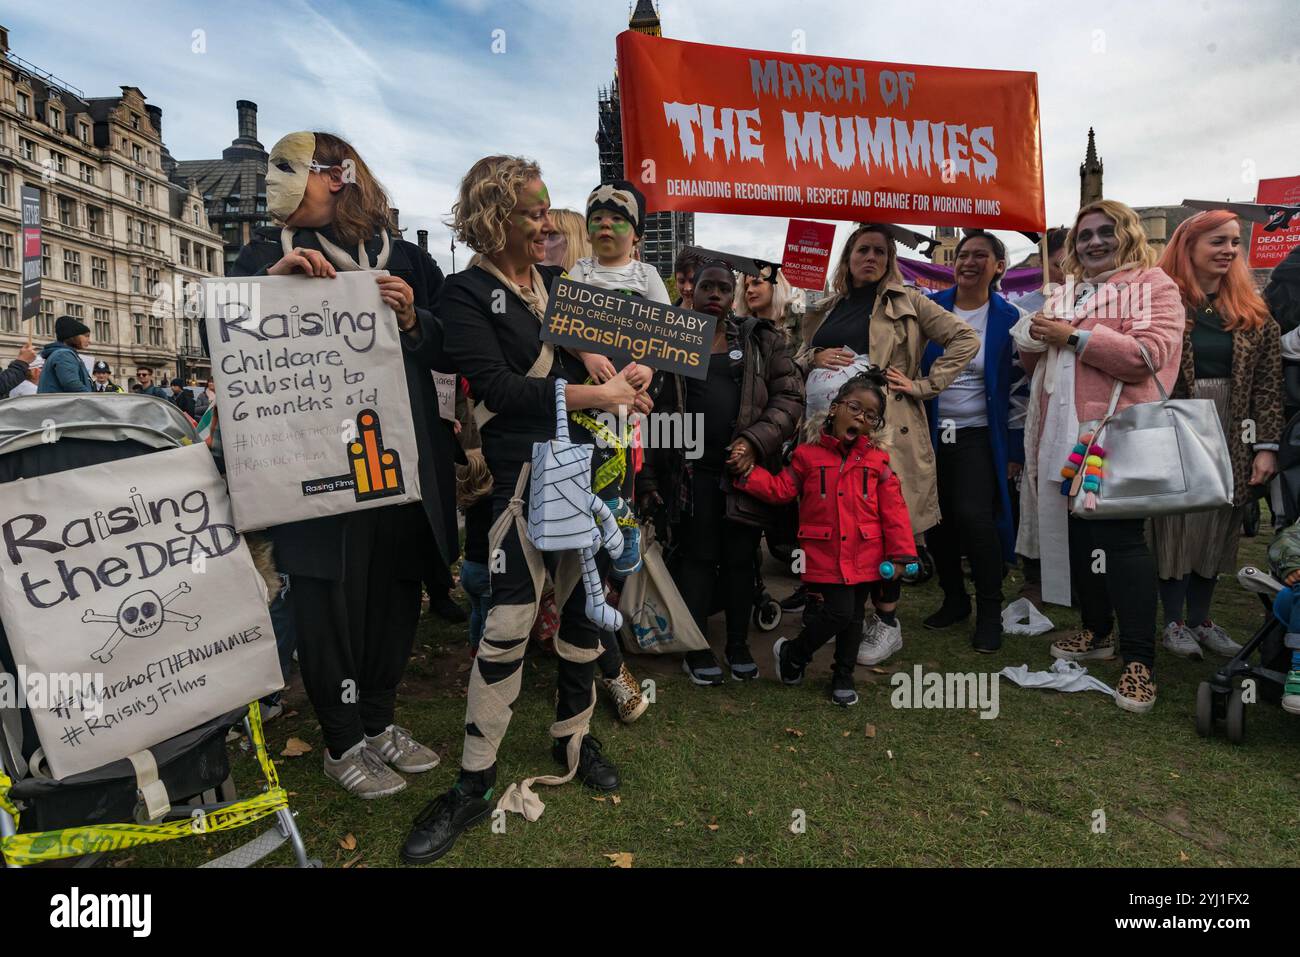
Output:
(1136, 691)
(1083, 645)
(627, 695)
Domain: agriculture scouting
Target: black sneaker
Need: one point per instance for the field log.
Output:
(447, 610)
(786, 669)
(594, 769)
(703, 668)
(795, 601)
(742, 664)
(441, 822)
(951, 612)
(987, 637)
(842, 691)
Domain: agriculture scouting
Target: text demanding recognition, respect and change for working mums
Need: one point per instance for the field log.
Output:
(623, 326)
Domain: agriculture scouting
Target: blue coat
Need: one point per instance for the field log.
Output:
(63, 371)
(1002, 374)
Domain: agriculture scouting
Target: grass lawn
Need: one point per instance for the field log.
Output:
(716, 777)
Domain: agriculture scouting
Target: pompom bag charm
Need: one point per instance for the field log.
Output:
(1158, 458)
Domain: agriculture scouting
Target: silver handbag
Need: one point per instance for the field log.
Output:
(1162, 458)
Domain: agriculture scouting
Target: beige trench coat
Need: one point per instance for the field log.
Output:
(903, 322)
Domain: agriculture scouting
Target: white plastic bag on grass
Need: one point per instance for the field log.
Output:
(1022, 618)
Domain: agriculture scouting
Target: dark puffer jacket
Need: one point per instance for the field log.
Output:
(771, 405)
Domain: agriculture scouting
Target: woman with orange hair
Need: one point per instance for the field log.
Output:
(1231, 355)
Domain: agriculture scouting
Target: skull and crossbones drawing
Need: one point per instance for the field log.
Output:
(140, 616)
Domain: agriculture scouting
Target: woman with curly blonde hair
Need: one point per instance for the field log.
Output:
(492, 314)
(1115, 311)
(569, 242)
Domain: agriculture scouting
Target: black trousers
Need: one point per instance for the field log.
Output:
(355, 636)
(513, 585)
(968, 504)
(1114, 573)
(726, 580)
(833, 612)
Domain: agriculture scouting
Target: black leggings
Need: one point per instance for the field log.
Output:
(833, 611)
(968, 502)
(355, 636)
(1115, 575)
(699, 580)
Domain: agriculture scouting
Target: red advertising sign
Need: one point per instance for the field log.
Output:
(721, 130)
(1269, 249)
(807, 253)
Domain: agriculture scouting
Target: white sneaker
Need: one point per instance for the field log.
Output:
(1180, 641)
(362, 772)
(1216, 639)
(879, 641)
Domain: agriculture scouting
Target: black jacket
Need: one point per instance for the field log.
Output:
(12, 377)
(493, 350)
(315, 547)
(184, 400)
(771, 404)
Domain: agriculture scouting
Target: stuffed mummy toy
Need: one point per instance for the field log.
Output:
(564, 514)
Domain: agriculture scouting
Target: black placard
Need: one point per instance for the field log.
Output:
(623, 326)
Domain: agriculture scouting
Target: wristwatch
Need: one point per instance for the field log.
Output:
(1073, 340)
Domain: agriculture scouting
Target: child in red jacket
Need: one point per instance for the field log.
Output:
(852, 519)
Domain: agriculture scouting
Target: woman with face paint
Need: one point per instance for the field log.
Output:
(355, 594)
(977, 451)
(1092, 332)
(493, 313)
(1232, 355)
(750, 405)
(873, 313)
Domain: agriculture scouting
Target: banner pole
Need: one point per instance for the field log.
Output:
(1042, 255)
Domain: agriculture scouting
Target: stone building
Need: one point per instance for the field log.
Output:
(233, 187)
(116, 231)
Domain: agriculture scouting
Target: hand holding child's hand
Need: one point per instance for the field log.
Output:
(742, 458)
(599, 367)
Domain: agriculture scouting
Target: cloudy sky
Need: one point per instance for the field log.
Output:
(1189, 98)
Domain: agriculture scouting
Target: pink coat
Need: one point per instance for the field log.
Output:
(1131, 307)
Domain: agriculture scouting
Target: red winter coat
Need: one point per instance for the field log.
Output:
(852, 515)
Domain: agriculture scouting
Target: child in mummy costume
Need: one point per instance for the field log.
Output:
(492, 315)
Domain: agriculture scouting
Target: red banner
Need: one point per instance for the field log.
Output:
(723, 130)
(807, 253)
(1269, 249)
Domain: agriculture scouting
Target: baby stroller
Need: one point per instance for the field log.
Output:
(1218, 699)
(115, 807)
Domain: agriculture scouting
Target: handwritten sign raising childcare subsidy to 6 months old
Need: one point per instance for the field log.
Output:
(127, 587)
(311, 390)
(623, 326)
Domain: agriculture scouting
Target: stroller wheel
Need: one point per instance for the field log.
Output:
(767, 616)
(1204, 709)
(1235, 717)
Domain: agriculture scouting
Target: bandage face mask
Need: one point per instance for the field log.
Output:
(287, 170)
